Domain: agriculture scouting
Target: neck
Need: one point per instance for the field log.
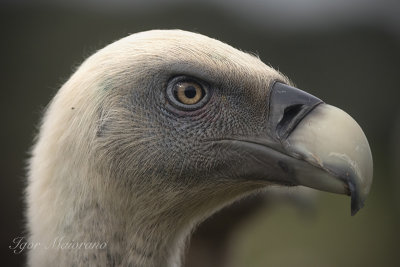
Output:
(141, 232)
(132, 231)
(142, 224)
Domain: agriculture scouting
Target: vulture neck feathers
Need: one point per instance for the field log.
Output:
(141, 227)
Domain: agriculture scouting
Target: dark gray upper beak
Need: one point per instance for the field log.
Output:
(325, 137)
(288, 106)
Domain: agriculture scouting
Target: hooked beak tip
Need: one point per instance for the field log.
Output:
(357, 202)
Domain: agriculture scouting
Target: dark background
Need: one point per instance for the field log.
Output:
(345, 52)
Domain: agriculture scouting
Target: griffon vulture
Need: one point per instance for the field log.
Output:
(157, 131)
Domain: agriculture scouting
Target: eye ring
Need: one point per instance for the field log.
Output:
(187, 93)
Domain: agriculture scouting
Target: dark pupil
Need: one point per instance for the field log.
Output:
(190, 92)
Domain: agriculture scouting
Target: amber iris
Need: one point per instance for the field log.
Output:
(188, 93)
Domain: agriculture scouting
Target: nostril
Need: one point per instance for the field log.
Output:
(288, 106)
(289, 120)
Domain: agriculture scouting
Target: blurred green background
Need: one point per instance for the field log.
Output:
(345, 52)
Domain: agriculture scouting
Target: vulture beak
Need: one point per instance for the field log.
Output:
(312, 144)
(325, 137)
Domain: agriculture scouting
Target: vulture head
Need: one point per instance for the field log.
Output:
(155, 132)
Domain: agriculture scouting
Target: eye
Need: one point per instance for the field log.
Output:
(187, 93)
